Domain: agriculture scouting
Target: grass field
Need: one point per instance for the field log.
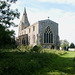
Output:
(48, 62)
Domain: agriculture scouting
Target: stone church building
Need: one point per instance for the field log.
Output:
(44, 32)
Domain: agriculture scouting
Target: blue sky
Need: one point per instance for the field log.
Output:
(60, 11)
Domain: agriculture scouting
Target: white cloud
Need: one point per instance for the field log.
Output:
(41, 15)
(60, 1)
(67, 26)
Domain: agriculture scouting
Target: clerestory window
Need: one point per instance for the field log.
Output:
(33, 38)
(33, 28)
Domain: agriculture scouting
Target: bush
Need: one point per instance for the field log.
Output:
(26, 48)
(37, 48)
(74, 59)
(72, 45)
(6, 46)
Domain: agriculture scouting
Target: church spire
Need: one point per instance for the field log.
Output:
(24, 11)
(25, 21)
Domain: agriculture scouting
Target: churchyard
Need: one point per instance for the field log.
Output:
(45, 62)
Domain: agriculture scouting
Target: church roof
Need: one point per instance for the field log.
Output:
(47, 20)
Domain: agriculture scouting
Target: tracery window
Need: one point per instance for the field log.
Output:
(48, 35)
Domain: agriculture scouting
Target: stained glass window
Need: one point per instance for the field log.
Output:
(48, 35)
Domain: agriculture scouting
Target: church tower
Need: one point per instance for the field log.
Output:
(24, 23)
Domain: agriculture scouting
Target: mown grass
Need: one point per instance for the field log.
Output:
(48, 62)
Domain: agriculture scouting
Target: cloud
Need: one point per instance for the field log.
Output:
(67, 26)
(60, 1)
(54, 14)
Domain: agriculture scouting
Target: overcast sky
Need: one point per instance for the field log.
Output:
(60, 11)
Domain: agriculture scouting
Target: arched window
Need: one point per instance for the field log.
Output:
(23, 41)
(29, 40)
(33, 28)
(48, 35)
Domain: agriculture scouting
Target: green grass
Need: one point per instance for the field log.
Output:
(48, 62)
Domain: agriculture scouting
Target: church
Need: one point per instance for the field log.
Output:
(43, 32)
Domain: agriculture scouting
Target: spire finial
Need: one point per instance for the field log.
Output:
(24, 11)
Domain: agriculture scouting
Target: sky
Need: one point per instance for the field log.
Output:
(60, 11)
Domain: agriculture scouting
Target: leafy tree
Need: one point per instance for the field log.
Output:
(7, 15)
(72, 45)
(64, 43)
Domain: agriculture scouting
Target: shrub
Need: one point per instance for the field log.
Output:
(37, 48)
(21, 48)
(26, 48)
(6, 46)
(74, 59)
(72, 45)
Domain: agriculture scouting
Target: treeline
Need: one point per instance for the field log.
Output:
(65, 44)
(72, 45)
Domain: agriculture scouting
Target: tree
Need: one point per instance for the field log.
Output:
(72, 45)
(7, 15)
(64, 43)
